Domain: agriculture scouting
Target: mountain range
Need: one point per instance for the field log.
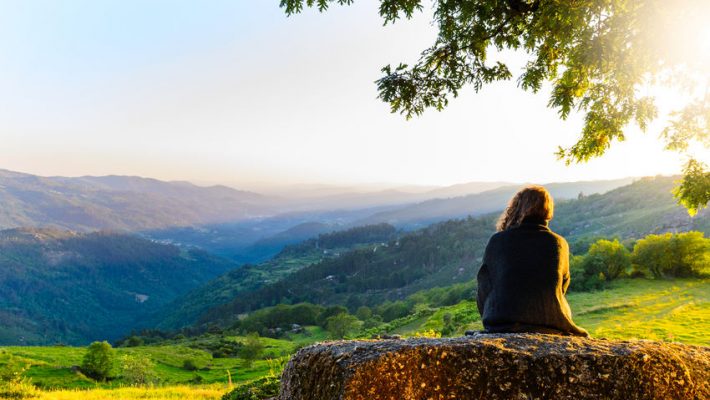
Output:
(120, 203)
(73, 286)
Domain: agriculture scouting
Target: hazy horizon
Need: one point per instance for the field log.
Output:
(340, 186)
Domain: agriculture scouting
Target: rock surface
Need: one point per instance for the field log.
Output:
(497, 366)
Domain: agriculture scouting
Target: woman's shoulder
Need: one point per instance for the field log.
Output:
(562, 242)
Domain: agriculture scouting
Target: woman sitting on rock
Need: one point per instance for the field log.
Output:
(525, 272)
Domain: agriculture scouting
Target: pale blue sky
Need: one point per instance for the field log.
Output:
(236, 92)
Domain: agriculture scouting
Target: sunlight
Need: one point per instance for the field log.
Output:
(682, 32)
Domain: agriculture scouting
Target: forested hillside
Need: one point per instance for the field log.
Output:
(645, 206)
(59, 286)
(450, 252)
(186, 309)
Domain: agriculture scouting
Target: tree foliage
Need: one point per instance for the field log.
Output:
(137, 369)
(252, 349)
(675, 255)
(608, 258)
(341, 325)
(98, 361)
(599, 56)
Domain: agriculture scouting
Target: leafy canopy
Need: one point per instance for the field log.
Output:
(98, 361)
(601, 57)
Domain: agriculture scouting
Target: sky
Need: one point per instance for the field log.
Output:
(235, 92)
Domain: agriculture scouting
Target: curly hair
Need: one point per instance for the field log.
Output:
(531, 201)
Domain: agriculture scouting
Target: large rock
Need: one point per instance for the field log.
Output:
(501, 366)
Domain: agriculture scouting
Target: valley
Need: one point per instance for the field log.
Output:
(187, 301)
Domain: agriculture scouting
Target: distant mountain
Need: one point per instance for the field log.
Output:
(310, 197)
(267, 247)
(256, 240)
(431, 211)
(60, 286)
(464, 189)
(121, 203)
(450, 252)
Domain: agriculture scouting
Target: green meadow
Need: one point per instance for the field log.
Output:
(676, 310)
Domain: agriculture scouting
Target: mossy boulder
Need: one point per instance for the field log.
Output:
(497, 366)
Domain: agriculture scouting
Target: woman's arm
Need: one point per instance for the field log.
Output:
(484, 280)
(564, 265)
(484, 288)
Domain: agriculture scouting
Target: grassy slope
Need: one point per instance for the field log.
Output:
(669, 310)
(51, 365)
(212, 392)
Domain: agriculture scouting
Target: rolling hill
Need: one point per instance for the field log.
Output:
(61, 286)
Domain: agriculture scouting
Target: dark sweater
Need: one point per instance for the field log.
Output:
(523, 281)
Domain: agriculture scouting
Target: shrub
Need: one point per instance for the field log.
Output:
(260, 389)
(98, 361)
(13, 383)
(332, 311)
(609, 258)
(189, 365)
(137, 370)
(134, 341)
(605, 261)
(340, 325)
(677, 255)
(252, 349)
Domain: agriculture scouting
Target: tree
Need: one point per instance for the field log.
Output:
(98, 361)
(137, 369)
(252, 349)
(609, 258)
(680, 255)
(363, 313)
(331, 311)
(600, 57)
(340, 325)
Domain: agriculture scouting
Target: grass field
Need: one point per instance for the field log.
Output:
(51, 366)
(668, 310)
(173, 392)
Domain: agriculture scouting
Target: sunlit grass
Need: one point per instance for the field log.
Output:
(173, 392)
(668, 310)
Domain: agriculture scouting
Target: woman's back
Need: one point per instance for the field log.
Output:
(523, 281)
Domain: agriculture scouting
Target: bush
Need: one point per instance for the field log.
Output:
(608, 258)
(340, 325)
(674, 255)
(260, 389)
(13, 383)
(332, 311)
(134, 341)
(252, 349)
(22, 389)
(98, 361)
(605, 261)
(137, 370)
(189, 365)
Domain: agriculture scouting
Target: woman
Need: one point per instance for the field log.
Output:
(525, 272)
